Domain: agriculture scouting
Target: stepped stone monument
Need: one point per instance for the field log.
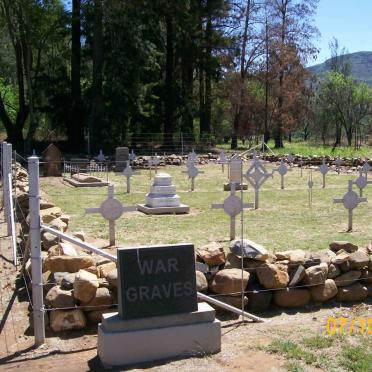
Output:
(162, 198)
(159, 316)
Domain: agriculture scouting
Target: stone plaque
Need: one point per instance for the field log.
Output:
(121, 158)
(156, 281)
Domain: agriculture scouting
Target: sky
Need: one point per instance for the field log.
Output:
(349, 21)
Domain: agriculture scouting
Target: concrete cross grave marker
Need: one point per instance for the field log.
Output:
(323, 169)
(338, 162)
(310, 185)
(100, 157)
(366, 168)
(222, 159)
(111, 209)
(155, 162)
(132, 156)
(232, 206)
(256, 176)
(362, 182)
(128, 172)
(282, 170)
(290, 159)
(350, 201)
(192, 157)
(192, 171)
(301, 165)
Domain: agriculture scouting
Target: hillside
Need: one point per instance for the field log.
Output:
(361, 66)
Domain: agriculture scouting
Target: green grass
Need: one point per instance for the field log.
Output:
(283, 221)
(310, 149)
(351, 353)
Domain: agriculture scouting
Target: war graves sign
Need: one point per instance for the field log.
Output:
(156, 280)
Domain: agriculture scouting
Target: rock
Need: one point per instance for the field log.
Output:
(292, 297)
(85, 286)
(259, 299)
(333, 271)
(85, 178)
(103, 283)
(369, 288)
(80, 235)
(56, 250)
(201, 282)
(67, 263)
(249, 249)
(95, 317)
(366, 276)
(358, 260)
(58, 277)
(49, 240)
(347, 278)
(66, 320)
(235, 301)
(346, 246)
(316, 274)
(49, 214)
(341, 256)
(296, 276)
(297, 256)
(345, 266)
(58, 224)
(45, 204)
(112, 278)
(65, 218)
(104, 269)
(68, 249)
(233, 262)
(271, 276)
(93, 270)
(325, 256)
(229, 281)
(59, 298)
(68, 281)
(102, 298)
(353, 292)
(212, 254)
(324, 292)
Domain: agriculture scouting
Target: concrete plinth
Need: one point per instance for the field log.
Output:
(181, 209)
(76, 183)
(238, 186)
(122, 342)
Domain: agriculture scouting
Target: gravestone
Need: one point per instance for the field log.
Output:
(232, 206)
(323, 169)
(235, 174)
(132, 156)
(121, 158)
(282, 170)
(128, 172)
(52, 166)
(111, 210)
(257, 176)
(350, 201)
(338, 162)
(222, 159)
(159, 316)
(100, 157)
(310, 184)
(192, 171)
(162, 198)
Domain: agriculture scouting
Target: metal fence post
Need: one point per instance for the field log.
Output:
(36, 262)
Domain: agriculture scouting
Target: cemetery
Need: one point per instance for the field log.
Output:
(294, 236)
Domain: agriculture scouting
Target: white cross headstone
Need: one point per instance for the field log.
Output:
(323, 169)
(100, 157)
(156, 162)
(350, 201)
(366, 168)
(338, 162)
(232, 205)
(132, 156)
(192, 171)
(111, 209)
(290, 159)
(362, 182)
(310, 185)
(282, 170)
(222, 159)
(128, 172)
(301, 165)
(256, 176)
(192, 157)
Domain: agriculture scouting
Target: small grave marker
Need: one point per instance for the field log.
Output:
(192, 157)
(282, 170)
(100, 157)
(128, 172)
(222, 159)
(301, 165)
(192, 172)
(232, 206)
(111, 209)
(362, 182)
(350, 201)
(323, 169)
(257, 176)
(366, 168)
(290, 159)
(338, 162)
(310, 185)
(132, 156)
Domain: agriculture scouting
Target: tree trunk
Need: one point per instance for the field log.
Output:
(169, 89)
(97, 98)
(75, 129)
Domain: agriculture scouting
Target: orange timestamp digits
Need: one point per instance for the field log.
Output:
(347, 326)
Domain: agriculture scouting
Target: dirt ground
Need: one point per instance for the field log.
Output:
(243, 344)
